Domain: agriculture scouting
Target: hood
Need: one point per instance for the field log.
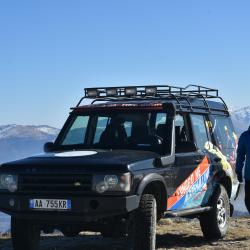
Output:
(85, 160)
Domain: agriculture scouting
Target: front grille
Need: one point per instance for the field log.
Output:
(55, 183)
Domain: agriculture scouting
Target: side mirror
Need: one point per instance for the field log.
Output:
(48, 147)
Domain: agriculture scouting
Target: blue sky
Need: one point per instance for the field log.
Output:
(51, 49)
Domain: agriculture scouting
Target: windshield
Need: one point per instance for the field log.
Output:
(117, 130)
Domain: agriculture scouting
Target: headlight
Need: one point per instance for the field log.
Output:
(9, 182)
(117, 183)
(111, 181)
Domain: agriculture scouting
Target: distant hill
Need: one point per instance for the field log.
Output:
(18, 141)
(241, 118)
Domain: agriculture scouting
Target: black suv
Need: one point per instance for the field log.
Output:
(120, 164)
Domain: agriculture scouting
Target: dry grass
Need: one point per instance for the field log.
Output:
(171, 234)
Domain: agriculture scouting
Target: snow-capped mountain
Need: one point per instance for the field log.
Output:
(48, 130)
(21, 131)
(241, 118)
(18, 141)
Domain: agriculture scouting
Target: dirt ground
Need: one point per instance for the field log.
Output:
(171, 234)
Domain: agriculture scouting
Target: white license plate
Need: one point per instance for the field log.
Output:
(50, 204)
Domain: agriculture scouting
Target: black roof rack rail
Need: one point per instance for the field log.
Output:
(157, 92)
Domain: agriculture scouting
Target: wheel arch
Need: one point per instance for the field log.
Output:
(227, 183)
(155, 184)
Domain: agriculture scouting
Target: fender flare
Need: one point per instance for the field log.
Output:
(149, 179)
(223, 178)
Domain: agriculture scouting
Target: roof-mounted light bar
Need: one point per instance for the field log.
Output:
(126, 92)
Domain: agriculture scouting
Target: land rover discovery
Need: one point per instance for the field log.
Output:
(132, 156)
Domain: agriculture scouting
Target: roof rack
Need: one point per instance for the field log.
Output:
(157, 92)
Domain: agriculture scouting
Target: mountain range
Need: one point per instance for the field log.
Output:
(241, 118)
(19, 141)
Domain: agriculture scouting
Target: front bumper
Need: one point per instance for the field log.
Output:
(84, 209)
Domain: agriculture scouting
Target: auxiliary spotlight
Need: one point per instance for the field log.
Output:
(92, 93)
(111, 92)
(151, 91)
(131, 91)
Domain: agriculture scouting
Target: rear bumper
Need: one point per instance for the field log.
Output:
(84, 209)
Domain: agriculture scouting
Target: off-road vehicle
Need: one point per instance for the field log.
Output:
(121, 163)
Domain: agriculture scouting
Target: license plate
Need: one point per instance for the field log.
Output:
(50, 204)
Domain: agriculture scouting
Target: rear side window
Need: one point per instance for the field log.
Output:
(224, 136)
(199, 131)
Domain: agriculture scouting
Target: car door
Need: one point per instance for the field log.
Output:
(191, 167)
(225, 143)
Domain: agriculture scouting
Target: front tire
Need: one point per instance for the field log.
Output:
(215, 223)
(25, 235)
(145, 224)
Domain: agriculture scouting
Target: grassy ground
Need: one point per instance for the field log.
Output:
(171, 234)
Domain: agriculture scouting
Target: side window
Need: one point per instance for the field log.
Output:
(160, 119)
(100, 127)
(128, 128)
(77, 131)
(180, 129)
(160, 125)
(224, 136)
(199, 130)
(183, 142)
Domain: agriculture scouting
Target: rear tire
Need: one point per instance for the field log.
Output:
(145, 224)
(215, 223)
(25, 235)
